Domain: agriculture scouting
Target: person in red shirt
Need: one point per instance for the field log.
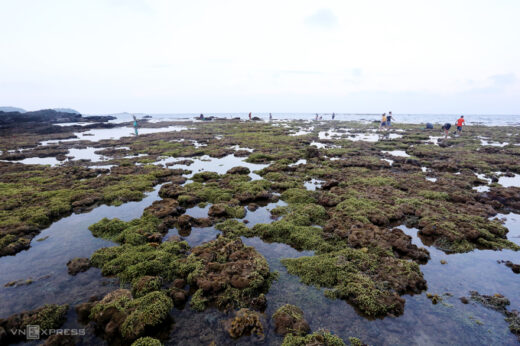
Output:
(459, 124)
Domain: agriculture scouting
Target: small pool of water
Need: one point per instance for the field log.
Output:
(398, 153)
(96, 135)
(212, 164)
(510, 181)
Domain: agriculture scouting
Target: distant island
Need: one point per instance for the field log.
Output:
(21, 110)
(12, 109)
(42, 121)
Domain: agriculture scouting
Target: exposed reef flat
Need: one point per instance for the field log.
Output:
(242, 210)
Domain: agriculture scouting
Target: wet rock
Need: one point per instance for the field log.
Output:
(223, 210)
(118, 315)
(86, 202)
(60, 340)
(229, 274)
(311, 152)
(146, 341)
(171, 191)
(47, 317)
(499, 303)
(329, 184)
(203, 222)
(349, 277)
(318, 338)
(514, 267)
(435, 298)
(165, 207)
(241, 153)
(464, 300)
(78, 265)
(252, 206)
(245, 322)
(239, 170)
(145, 284)
(290, 319)
(178, 295)
(217, 210)
(83, 311)
(184, 222)
(179, 283)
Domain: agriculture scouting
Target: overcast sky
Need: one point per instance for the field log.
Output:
(412, 56)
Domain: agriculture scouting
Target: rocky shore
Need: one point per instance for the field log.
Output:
(340, 191)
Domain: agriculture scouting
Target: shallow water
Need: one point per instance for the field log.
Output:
(62, 241)
(96, 135)
(510, 181)
(213, 164)
(399, 153)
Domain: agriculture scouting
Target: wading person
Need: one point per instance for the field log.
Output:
(333, 116)
(460, 122)
(249, 115)
(135, 125)
(270, 117)
(383, 121)
(389, 119)
(446, 128)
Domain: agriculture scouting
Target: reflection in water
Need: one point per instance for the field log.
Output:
(63, 240)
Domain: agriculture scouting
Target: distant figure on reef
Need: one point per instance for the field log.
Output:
(135, 126)
(429, 126)
(316, 117)
(333, 116)
(383, 121)
(249, 115)
(201, 117)
(460, 122)
(446, 128)
(389, 120)
(270, 116)
(321, 117)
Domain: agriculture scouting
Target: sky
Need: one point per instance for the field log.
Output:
(159, 56)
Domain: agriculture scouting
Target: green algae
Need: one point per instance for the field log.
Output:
(321, 337)
(134, 232)
(298, 196)
(131, 262)
(146, 341)
(50, 316)
(211, 263)
(357, 276)
(34, 198)
(137, 314)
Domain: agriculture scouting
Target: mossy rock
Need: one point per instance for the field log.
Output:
(371, 282)
(129, 317)
(319, 338)
(146, 341)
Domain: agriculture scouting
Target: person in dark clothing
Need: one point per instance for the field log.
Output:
(446, 128)
(389, 119)
(135, 126)
(333, 116)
